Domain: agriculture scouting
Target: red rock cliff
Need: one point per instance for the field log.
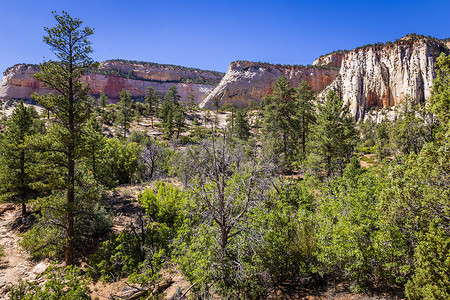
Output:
(113, 76)
(251, 81)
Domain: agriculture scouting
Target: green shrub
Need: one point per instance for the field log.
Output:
(142, 249)
(431, 279)
(119, 162)
(60, 284)
(131, 252)
(46, 239)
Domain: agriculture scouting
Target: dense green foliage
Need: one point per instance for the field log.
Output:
(125, 113)
(141, 249)
(60, 284)
(334, 136)
(18, 159)
(172, 113)
(288, 115)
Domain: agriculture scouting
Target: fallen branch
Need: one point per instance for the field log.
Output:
(158, 289)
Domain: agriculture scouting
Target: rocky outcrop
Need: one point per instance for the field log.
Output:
(382, 75)
(247, 81)
(113, 76)
(333, 59)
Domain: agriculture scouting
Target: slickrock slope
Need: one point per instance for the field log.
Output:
(113, 76)
(252, 81)
(381, 75)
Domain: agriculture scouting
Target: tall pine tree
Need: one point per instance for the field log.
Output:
(305, 111)
(66, 142)
(151, 101)
(281, 124)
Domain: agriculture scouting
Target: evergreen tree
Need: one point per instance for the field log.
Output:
(171, 112)
(179, 118)
(17, 158)
(172, 96)
(152, 101)
(103, 100)
(95, 142)
(65, 142)
(334, 135)
(305, 111)
(440, 96)
(281, 124)
(125, 114)
(241, 128)
(192, 101)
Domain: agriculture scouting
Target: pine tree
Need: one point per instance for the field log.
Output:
(192, 101)
(241, 128)
(103, 100)
(170, 109)
(281, 124)
(179, 118)
(65, 143)
(173, 96)
(334, 135)
(17, 158)
(152, 101)
(125, 114)
(305, 111)
(95, 142)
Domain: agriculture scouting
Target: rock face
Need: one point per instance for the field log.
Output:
(251, 81)
(111, 77)
(382, 75)
(333, 59)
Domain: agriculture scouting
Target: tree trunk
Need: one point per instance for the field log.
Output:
(23, 188)
(223, 248)
(24, 209)
(70, 215)
(303, 136)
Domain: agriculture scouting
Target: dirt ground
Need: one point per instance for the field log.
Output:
(15, 264)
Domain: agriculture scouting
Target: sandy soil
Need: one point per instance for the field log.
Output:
(15, 264)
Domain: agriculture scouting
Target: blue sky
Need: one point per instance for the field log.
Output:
(211, 34)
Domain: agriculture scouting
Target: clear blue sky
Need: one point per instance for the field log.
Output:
(211, 34)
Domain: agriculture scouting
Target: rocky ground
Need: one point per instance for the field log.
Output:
(15, 264)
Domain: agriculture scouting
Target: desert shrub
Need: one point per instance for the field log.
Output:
(47, 237)
(142, 249)
(60, 284)
(431, 279)
(119, 162)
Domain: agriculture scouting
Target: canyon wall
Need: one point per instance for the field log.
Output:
(382, 75)
(379, 75)
(113, 76)
(333, 59)
(247, 81)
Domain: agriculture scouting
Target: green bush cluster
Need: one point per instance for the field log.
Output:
(60, 284)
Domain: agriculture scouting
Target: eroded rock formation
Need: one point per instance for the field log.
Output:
(251, 81)
(333, 59)
(113, 76)
(382, 75)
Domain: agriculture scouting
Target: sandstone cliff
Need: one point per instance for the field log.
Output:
(113, 76)
(381, 75)
(378, 75)
(333, 59)
(251, 81)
